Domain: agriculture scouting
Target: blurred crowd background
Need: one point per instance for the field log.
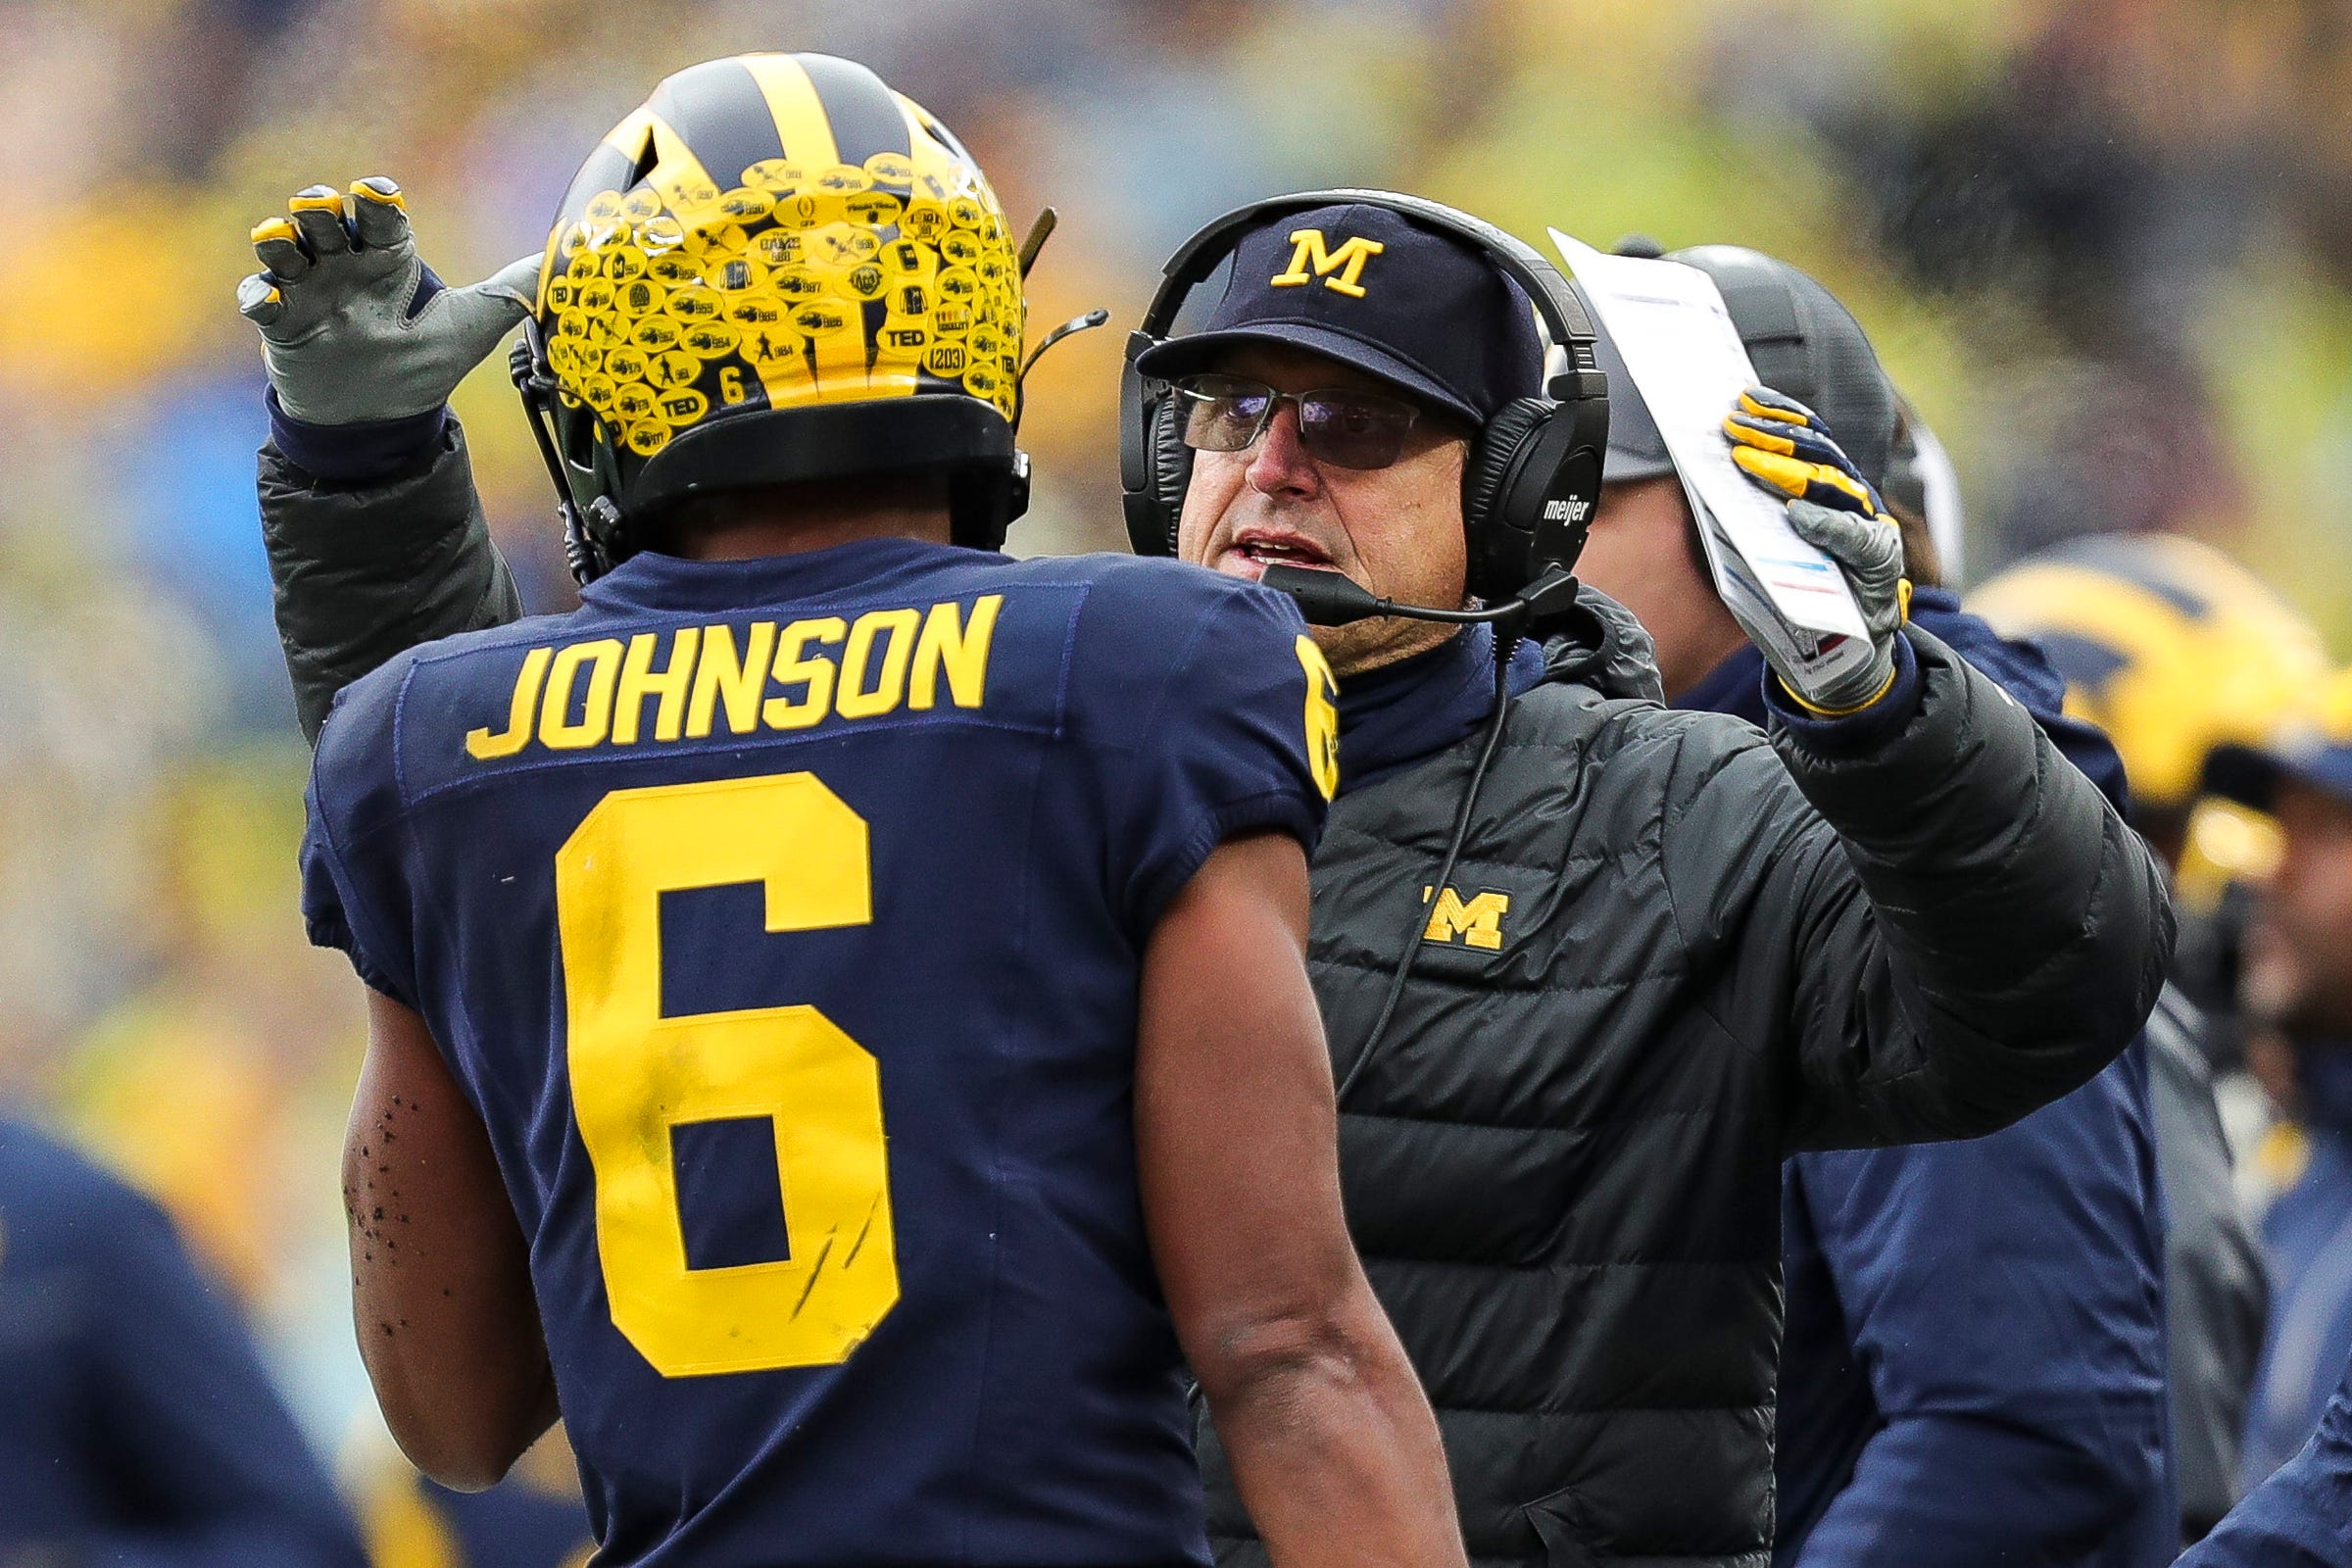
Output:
(2105, 246)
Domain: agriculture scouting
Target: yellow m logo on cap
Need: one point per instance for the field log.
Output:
(1479, 922)
(1308, 250)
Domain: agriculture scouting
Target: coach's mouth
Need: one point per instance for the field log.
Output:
(1254, 550)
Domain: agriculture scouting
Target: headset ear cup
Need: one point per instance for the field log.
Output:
(1487, 467)
(1171, 463)
(1497, 543)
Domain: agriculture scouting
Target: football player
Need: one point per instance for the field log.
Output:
(837, 1028)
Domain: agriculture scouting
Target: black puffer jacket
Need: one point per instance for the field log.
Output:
(362, 573)
(1563, 1166)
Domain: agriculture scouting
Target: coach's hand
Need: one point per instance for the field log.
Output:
(1782, 446)
(354, 327)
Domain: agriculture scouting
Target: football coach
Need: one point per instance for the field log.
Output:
(1671, 950)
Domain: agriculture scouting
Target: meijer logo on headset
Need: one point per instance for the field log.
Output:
(1309, 250)
(1570, 509)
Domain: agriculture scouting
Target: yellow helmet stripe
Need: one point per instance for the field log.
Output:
(861, 112)
(799, 112)
(720, 111)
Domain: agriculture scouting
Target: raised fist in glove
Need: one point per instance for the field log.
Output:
(354, 329)
(1782, 446)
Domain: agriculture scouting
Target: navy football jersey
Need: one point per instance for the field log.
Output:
(783, 920)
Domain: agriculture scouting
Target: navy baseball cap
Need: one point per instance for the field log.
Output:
(2314, 747)
(1372, 289)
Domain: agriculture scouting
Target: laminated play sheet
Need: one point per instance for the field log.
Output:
(1670, 326)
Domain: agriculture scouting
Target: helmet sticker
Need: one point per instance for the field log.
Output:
(746, 204)
(656, 334)
(696, 302)
(874, 209)
(778, 177)
(777, 247)
(711, 340)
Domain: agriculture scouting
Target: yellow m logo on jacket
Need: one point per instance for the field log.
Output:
(1479, 922)
(1307, 251)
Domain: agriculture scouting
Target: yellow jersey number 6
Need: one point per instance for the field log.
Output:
(636, 1074)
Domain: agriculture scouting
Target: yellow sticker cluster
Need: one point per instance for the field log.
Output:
(798, 286)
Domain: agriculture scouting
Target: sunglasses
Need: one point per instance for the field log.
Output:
(1337, 425)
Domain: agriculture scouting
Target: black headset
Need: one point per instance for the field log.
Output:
(1533, 475)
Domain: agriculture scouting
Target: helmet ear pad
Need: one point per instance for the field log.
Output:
(1493, 467)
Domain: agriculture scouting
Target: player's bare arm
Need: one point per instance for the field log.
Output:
(440, 1282)
(1331, 1438)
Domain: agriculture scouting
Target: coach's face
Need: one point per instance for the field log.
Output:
(1394, 530)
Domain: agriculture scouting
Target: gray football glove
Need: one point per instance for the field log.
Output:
(1782, 446)
(1870, 552)
(354, 327)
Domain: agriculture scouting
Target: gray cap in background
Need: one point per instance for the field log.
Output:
(1804, 344)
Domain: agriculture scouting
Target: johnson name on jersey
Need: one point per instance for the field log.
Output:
(783, 920)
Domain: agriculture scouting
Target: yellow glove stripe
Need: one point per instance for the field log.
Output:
(1820, 711)
(1762, 440)
(1903, 597)
(368, 193)
(1765, 411)
(1782, 474)
(273, 229)
(329, 203)
(1794, 477)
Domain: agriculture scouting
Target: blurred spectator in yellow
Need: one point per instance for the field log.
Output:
(136, 1425)
(2298, 979)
